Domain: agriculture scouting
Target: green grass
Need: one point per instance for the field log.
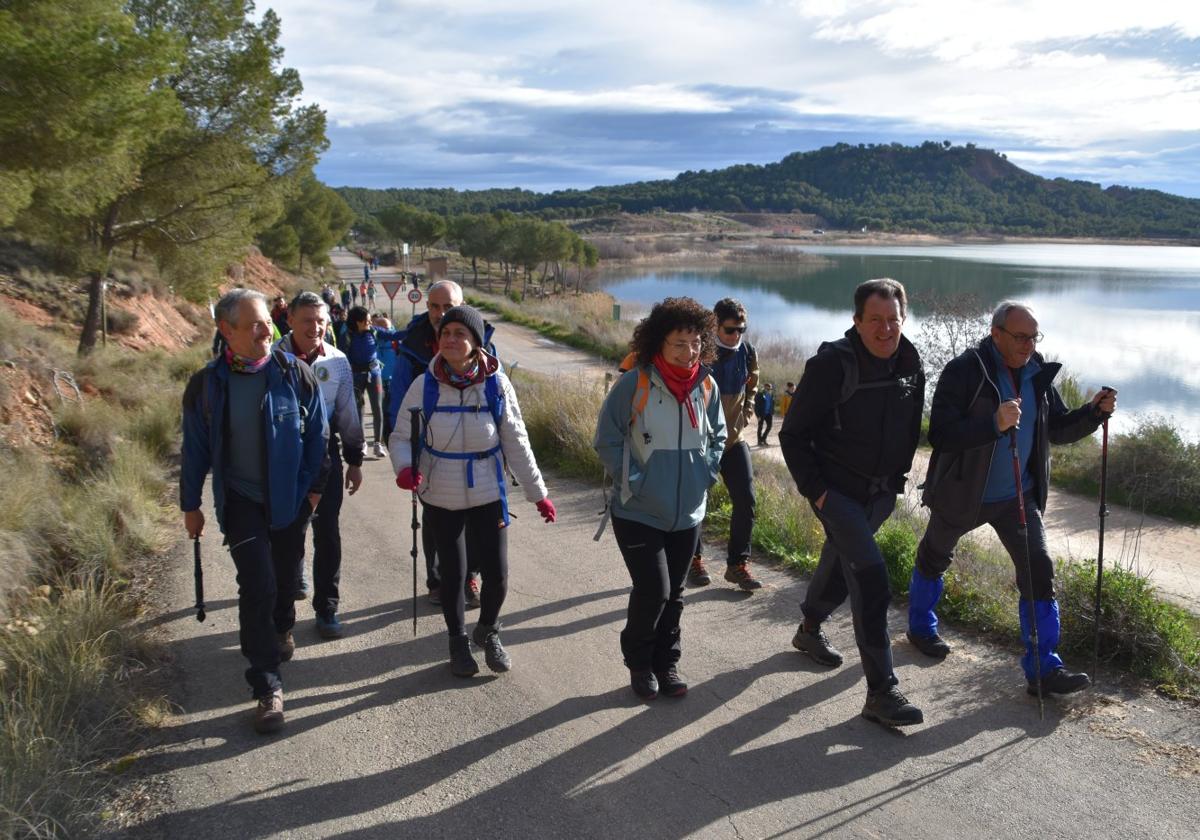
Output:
(1142, 634)
(77, 524)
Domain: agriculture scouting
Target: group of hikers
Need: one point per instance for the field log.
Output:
(273, 423)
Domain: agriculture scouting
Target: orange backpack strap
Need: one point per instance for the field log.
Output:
(641, 395)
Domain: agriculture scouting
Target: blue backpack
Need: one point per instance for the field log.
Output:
(495, 406)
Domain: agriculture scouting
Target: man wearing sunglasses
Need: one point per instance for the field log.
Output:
(736, 373)
(983, 394)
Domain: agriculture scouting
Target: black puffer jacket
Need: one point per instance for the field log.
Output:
(963, 432)
(861, 447)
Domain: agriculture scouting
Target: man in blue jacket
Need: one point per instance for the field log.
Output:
(256, 420)
(1001, 389)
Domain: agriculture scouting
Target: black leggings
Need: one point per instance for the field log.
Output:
(486, 542)
(657, 562)
(372, 384)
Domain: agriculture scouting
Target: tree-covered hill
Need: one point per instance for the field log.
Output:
(935, 187)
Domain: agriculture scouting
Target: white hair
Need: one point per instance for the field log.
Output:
(229, 306)
(1000, 315)
(456, 292)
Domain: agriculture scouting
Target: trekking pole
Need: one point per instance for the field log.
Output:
(1100, 547)
(1023, 533)
(198, 573)
(415, 444)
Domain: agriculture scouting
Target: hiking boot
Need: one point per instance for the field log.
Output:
(698, 575)
(934, 645)
(670, 684)
(471, 592)
(739, 573)
(816, 644)
(462, 663)
(268, 714)
(1060, 681)
(494, 654)
(287, 645)
(380, 452)
(644, 684)
(435, 596)
(891, 708)
(328, 627)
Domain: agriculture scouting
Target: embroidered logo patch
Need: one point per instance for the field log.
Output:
(323, 374)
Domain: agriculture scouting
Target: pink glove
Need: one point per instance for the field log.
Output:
(408, 479)
(546, 509)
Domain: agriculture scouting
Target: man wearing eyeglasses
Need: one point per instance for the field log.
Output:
(736, 373)
(983, 394)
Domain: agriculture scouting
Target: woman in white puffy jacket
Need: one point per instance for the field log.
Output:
(471, 427)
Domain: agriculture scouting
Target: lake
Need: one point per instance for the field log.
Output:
(1119, 315)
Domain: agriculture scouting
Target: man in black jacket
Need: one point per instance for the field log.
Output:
(979, 404)
(848, 440)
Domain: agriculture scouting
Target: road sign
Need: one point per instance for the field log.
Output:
(392, 286)
(414, 296)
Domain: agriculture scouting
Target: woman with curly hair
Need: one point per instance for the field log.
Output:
(660, 435)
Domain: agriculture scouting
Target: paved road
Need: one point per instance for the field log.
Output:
(382, 742)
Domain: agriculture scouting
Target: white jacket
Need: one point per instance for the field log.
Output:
(445, 479)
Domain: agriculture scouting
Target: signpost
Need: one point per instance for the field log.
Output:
(391, 287)
(414, 297)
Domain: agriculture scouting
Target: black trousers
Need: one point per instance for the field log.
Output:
(429, 547)
(478, 533)
(851, 565)
(764, 428)
(327, 543)
(657, 562)
(370, 383)
(936, 549)
(267, 563)
(738, 474)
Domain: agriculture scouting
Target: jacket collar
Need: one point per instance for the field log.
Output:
(908, 360)
(490, 365)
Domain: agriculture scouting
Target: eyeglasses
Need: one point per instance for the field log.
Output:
(732, 330)
(1022, 338)
(682, 346)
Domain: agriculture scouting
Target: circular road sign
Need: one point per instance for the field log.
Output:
(414, 296)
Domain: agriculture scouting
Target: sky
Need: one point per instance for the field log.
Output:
(552, 94)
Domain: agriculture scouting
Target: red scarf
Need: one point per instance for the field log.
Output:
(679, 381)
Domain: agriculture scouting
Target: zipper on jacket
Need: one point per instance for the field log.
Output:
(679, 471)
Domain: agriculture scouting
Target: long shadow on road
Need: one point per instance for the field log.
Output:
(585, 790)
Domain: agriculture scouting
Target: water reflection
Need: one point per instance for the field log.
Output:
(1123, 316)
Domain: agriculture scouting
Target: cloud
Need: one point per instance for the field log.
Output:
(556, 92)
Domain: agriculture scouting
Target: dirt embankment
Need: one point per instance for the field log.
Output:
(140, 319)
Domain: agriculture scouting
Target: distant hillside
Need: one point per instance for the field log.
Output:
(934, 187)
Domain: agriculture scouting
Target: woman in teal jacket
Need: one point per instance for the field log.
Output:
(660, 435)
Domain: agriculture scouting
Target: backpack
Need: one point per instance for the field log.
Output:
(494, 406)
(641, 396)
(850, 383)
(291, 370)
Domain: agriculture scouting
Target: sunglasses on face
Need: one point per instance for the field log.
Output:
(733, 330)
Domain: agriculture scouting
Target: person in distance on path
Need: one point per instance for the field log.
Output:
(735, 370)
(361, 343)
(849, 440)
(414, 350)
(308, 317)
(983, 394)
(660, 435)
(764, 410)
(472, 427)
(256, 420)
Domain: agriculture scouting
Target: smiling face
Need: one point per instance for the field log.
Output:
(250, 338)
(456, 344)
(880, 326)
(682, 348)
(308, 325)
(1017, 339)
(730, 331)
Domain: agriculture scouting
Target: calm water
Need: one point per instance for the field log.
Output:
(1123, 316)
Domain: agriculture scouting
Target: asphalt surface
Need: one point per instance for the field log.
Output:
(383, 742)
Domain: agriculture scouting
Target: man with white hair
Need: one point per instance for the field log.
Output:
(415, 350)
(255, 419)
(987, 395)
(308, 318)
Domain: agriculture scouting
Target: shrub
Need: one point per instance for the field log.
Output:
(1151, 468)
(1139, 632)
(121, 321)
